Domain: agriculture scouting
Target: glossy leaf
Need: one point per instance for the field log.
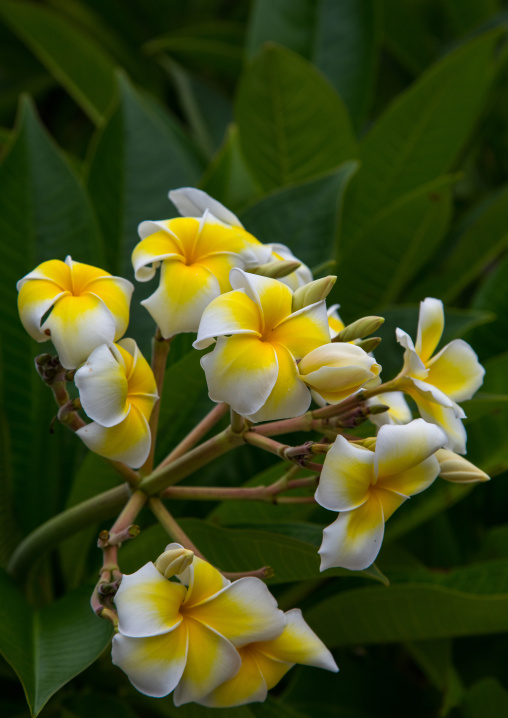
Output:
(420, 135)
(486, 697)
(305, 217)
(49, 646)
(82, 67)
(300, 128)
(339, 38)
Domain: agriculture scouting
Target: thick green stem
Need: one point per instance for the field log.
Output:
(190, 462)
(69, 522)
(160, 351)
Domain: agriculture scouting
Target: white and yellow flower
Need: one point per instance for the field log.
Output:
(183, 636)
(366, 487)
(300, 277)
(458, 470)
(117, 390)
(88, 307)
(438, 382)
(197, 254)
(335, 371)
(253, 366)
(264, 663)
(398, 409)
(334, 321)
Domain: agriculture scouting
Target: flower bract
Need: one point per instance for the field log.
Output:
(437, 382)
(117, 391)
(366, 487)
(259, 340)
(87, 307)
(183, 635)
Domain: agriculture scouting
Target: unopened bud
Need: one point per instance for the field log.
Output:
(359, 329)
(368, 443)
(174, 561)
(378, 408)
(458, 470)
(368, 345)
(313, 292)
(277, 269)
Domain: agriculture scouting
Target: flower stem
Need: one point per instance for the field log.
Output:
(237, 422)
(172, 526)
(160, 351)
(268, 494)
(200, 430)
(69, 522)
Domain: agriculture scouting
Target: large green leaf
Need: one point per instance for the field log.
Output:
(394, 244)
(44, 214)
(49, 646)
(464, 602)
(487, 697)
(407, 36)
(292, 124)
(480, 238)
(305, 217)
(75, 60)
(492, 296)
(239, 550)
(421, 133)
(338, 37)
(137, 157)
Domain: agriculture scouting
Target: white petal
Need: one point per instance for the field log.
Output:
(456, 371)
(154, 665)
(192, 202)
(148, 604)
(102, 385)
(398, 409)
(129, 441)
(399, 448)
(346, 476)
(413, 365)
(430, 327)
(355, 537)
(448, 419)
(231, 313)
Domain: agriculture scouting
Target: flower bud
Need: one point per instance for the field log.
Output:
(172, 562)
(313, 292)
(458, 470)
(359, 329)
(277, 269)
(368, 345)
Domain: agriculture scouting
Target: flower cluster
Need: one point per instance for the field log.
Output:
(210, 641)
(270, 347)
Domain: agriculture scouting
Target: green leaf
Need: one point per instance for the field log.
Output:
(44, 214)
(75, 61)
(492, 296)
(300, 127)
(228, 178)
(464, 602)
(480, 238)
(395, 243)
(464, 15)
(420, 135)
(49, 646)
(339, 38)
(304, 217)
(436, 660)
(239, 550)
(485, 698)
(136, 158)
(407, 36)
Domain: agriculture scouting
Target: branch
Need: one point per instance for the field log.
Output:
(172, 526)
(160, 351)
(200, 430)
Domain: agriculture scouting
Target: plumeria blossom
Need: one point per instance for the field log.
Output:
(366, 487)
(300, 277)
(335, 371)
(88, 307)
(259, 340)
(334, 321)
(197, 255)
(398, 409)
(117, 391)
(437, 382)
(183, 636)
(264, 663)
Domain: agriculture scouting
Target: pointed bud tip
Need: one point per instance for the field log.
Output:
(313, 292)
(173, 562)
(277, 269)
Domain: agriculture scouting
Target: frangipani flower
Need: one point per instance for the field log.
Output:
(264, 663)
(197, 256)
(334, 321)
(438, 382)
(117, 390)
(253, 365)
(398, 409)
(335, 371)
(368, 486)
(300, 277)
(182, 636)
(89, 307)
